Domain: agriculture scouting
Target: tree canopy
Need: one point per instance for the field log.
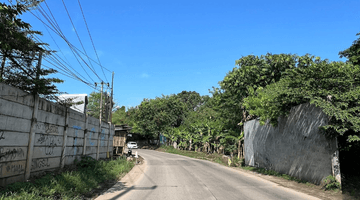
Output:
(332, 86)
(19, 54)
(94, 105)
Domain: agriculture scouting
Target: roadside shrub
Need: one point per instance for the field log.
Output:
(330, 183)
(236, 162)
(69, 184)
(86, 162)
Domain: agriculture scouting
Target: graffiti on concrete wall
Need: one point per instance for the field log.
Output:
(75, 138)
(11, 154)
(15, 168)
(12, 168)
(47, 128)
(40, 163)
(50, 142)
(2, 135)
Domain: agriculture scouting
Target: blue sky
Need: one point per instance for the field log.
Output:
(164, 47)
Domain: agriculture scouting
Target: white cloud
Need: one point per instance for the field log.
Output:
(100, 53)
(145, 75)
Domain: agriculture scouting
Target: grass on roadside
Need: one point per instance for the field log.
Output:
(89, 173)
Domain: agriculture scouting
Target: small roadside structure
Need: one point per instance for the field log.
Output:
(119, 142)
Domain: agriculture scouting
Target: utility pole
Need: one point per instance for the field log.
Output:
(38, 68)
(100, 119)
(101, 97)
(111, 98)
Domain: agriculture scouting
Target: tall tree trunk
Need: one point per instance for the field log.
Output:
(190, 147)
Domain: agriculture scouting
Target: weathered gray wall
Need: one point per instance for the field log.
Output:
(295, 147)
(51, 147)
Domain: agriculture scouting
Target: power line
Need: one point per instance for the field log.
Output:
(79, 38)
(71, 46)
(58, 31)
(92, 40)
(56, 62)
(58, 48)
(63, 65)
(89, 34)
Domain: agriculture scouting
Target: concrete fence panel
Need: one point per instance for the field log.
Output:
(37, 135)
(295, 147)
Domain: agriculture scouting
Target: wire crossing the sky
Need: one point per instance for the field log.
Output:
(50, 22)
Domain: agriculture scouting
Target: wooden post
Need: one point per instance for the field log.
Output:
(66, 127)
(32, 137)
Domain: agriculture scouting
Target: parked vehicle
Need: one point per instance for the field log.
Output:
(132, 145)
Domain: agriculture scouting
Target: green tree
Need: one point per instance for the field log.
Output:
(353, 52)
(119, 117)
(94, 105)
(123, 116)
(332, 86)
(29, 4)
(252, 72)
(18, 53)
(156, 116)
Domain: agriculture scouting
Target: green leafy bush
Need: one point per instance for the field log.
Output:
(330, 183)
(86, 162)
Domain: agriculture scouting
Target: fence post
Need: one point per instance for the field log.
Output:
(85, 133)
(98, 143)
(31, 137)
(108, 143)
(335, 164)
(66, 127)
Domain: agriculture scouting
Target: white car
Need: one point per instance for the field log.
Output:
(132, 145)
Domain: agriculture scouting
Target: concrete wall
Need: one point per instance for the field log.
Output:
(38, 135)
(295, 147)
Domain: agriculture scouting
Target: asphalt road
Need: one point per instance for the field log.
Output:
(170, 176)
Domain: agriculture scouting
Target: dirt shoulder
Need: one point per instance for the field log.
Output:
(119, 187)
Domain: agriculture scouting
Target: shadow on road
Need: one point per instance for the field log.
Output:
(120, 186)
(126, 190)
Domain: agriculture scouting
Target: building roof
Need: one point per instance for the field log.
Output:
(76, 98)
(122, 127)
